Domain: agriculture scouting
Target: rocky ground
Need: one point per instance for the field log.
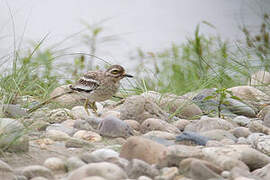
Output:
(148, 136)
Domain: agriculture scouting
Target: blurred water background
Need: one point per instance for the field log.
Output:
(149, 24)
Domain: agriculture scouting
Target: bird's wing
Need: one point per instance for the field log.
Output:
(87, 83)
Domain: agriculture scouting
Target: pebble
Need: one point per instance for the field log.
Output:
(193, 137)
(58, 115)
(57, 135)
(168, 173)
(60, 127)
(87, 135)
(82, 125)
(114, 127)
(181, 124)
(13, 138)
(241, 120)
(36, 171)
(73, 163)
(99, 155)
(160, 134)
(143, 149)
(218, 135)
(139, 108)
(152, 124)
(55, 164)
(102, 169)
(133, 124)
(137, 168)
(78, 112)
(207, 124)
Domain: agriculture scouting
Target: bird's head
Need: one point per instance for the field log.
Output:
(117, 72)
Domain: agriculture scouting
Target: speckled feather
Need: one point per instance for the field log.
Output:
(99, 85)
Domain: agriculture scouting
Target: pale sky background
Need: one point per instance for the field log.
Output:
(149, 24)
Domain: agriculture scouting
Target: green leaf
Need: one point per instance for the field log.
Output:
(209, 97)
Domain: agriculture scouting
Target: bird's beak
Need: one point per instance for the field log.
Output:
(128, 75)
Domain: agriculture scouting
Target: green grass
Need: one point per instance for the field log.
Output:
(203, 61)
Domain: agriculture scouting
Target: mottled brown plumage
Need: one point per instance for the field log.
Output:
(97, 86)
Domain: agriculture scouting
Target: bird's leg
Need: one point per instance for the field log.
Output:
(86, 106)
(94, 107)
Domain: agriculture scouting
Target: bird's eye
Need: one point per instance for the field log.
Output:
(115, 71)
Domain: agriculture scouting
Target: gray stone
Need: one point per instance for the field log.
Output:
(160, 134)
(262, 143)
(240, 132)
(13, 136)
(55, 164)
(152, 124)
(266, 119)
(102, 169)
(121, 162)
(57, 135)
(58, 115)
(186, 167)
(74, 163)
(38, 178)
(263, 173)
(168, 173)
(225, 174)
(193, 137)
(144, 178)
(78, 112)
(137, 168)
(60, 127)
(240, 108)
(181, 124)
(253, 137)
(265, 110)
(99, 155)
(177, 153)
(77, 143)
(232, 156)
(214, 143)
(89, 136)
(199, 171)
(35, 171)
(209, 105)
(241, 120)
(6, 172)
(260, 79)
(134, 124)
(181, 106)
(140, 108)
(94, 121)
(218, 135)
(160, 140)
(114, 127)
(242, 174)
(207, 123)
(250, 95)
(24, 178)
(94, 178)
(144, 149)
(242, 140)
(14, 111)
(257, 127)
(82, 125)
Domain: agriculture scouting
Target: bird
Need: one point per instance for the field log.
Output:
(95, 86)
(98, 86)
